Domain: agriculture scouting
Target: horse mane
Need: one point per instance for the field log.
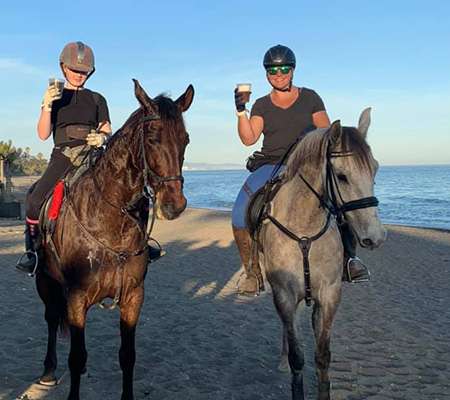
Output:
(169, 112)
(311, 150)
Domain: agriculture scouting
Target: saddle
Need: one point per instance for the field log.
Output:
(82, 159)
(259, 204)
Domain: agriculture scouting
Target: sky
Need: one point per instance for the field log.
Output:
(393, 56)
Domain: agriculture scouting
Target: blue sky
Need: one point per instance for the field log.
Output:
(391, 55)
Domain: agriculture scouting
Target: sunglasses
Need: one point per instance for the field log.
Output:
(284, 69)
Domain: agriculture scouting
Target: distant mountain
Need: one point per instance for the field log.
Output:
(190, 166)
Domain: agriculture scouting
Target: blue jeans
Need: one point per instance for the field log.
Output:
(255, 181)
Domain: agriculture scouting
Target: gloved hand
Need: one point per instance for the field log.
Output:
(240, 100)
(51, 94)
(95, 139)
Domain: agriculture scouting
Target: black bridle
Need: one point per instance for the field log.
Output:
(148, 174)
(330, 201)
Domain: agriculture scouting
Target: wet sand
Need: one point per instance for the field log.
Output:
(198, 340)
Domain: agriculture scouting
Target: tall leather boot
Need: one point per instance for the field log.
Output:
(252, 283)
(29, 260)
(354, 269)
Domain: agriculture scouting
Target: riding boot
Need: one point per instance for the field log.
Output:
(252, 283)
(155, 253)
(29, 260)
(354, 269)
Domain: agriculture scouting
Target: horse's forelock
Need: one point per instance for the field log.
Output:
(353, 141)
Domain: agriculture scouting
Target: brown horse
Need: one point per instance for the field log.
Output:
(99, 247)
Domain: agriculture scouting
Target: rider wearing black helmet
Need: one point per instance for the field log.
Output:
(284, 115)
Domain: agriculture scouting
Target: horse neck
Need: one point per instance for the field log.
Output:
(298, 205)
(116, 174)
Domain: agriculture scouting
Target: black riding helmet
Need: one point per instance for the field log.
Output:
(279, 55)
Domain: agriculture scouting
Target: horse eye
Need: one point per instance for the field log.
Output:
(342, 178)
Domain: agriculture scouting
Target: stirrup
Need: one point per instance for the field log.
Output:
(36, 262)
(253, 293)
(351, 279)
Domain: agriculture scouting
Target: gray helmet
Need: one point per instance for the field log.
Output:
(78, 56)
(279, 55)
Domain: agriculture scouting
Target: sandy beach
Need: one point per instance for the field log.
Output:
(197, 339)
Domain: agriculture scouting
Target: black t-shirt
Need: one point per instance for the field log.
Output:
(283, 126)
(77, 107)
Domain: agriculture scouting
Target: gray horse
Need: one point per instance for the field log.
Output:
(328, 180)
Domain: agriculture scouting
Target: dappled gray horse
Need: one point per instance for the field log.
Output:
(329, 180)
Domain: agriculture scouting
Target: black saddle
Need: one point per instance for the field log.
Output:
(258, 204)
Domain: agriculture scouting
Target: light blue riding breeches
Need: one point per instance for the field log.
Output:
(255, 181)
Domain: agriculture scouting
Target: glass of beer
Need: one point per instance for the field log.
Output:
(58, 84)
(245, 89)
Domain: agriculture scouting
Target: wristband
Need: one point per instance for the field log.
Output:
(241, 113)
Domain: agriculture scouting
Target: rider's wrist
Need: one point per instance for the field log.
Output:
(241, 113)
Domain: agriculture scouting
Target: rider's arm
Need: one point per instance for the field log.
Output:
(250, 129)
(44, 127)
(321, 120)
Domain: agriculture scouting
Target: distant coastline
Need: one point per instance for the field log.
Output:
(189, 166)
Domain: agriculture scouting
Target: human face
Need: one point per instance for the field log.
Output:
(75, 79)
(280, 80)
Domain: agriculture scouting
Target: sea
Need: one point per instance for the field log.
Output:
(408, 195)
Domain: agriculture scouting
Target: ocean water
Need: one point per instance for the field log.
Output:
(408, 195)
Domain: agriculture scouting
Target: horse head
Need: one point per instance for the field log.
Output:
(164, 140)
(351, 170)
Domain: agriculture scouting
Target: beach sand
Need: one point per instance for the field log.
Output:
(197, 339)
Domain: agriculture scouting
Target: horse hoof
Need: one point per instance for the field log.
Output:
(283, 366)
(48, 379)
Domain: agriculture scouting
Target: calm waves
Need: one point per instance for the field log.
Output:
(409, 195)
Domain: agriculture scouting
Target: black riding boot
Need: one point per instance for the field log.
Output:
(354, 269)
(29, 260)
(154, 253)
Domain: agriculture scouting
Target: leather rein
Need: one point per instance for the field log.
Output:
(328, 201)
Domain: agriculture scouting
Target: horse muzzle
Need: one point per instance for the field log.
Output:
(170, 210)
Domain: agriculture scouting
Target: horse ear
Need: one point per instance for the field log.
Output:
(185, 100)
(364, 122)
(335, 133)
(143, 98)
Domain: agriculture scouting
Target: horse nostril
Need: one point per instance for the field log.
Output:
(367, 242)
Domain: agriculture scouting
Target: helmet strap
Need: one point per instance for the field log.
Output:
(286, 89)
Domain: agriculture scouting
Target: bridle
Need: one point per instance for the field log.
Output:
(148, 174)
(330, 201)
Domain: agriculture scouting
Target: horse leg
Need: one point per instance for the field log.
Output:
(285, 301)
(322, 320)
(254, 282)
(53, 298)
(78, 354)
(129, 315)
(283, 366)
